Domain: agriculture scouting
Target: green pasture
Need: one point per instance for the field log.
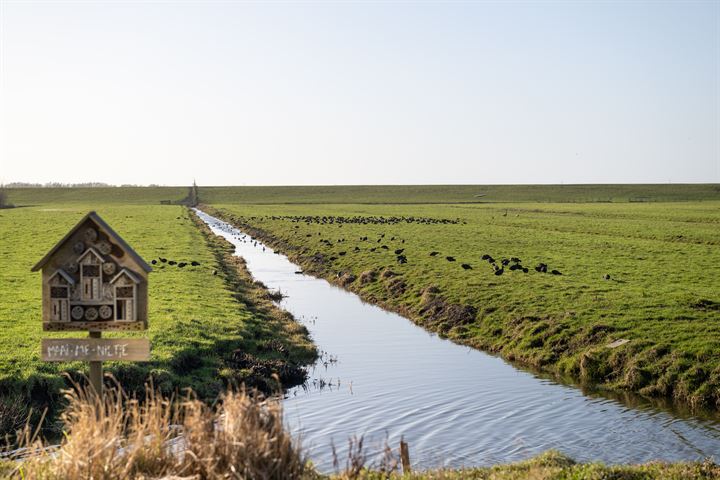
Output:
(374, 194)
(663, 291)
(404, 194)
(195, 321)
(94, 196)
(661, 256)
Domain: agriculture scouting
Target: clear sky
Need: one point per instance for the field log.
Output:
(232, 93)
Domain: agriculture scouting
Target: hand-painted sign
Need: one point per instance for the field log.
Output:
(95, 349)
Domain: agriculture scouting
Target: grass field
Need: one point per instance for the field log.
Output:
(94, 196)
(646, 273)
(662, 259)
(402, 194)
(392, 194)
(662, 295)
(196, 322)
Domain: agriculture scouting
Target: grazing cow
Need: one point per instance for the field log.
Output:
(432, 254)
(154, 262)
(342, 254)
(515, 266)
(556, 272)
(399, 251)
(195, 263)
(606, 276)
(182, 265)
(515, 259)
(402, 259)
(465, 266)
(385, 247)
(499, 271)
(450, 259)
(485, 256)
(525, 270)
(505, 261)
(541, 267)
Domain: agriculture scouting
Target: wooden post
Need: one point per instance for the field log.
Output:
(96, 370)
(405, 457)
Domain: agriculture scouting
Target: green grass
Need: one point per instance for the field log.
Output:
(555, 466)
(404, 194)
(663, 294)
(94, 196)
(195, 320)
(374, 194)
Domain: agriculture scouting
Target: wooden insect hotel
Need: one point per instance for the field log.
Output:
(92, 280)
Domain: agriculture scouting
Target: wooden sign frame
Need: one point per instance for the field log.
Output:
(93, 281)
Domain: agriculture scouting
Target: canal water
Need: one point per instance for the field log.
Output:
(382, 377)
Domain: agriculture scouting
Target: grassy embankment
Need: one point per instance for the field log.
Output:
(375, 194)
(662, 295)
(199, 316)
(442, 194)
(555, 466)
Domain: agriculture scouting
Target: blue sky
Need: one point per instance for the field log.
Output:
(360, 93)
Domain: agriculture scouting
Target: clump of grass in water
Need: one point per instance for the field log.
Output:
(119, 438)
(276, 295)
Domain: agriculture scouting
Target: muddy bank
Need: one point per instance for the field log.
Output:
(276, 346)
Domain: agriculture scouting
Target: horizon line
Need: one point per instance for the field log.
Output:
(21, 185)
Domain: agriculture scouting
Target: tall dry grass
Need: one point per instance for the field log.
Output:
(117, 438)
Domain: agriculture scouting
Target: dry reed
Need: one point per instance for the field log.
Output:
(117, 438)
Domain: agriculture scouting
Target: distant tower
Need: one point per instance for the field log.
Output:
(194, 195)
